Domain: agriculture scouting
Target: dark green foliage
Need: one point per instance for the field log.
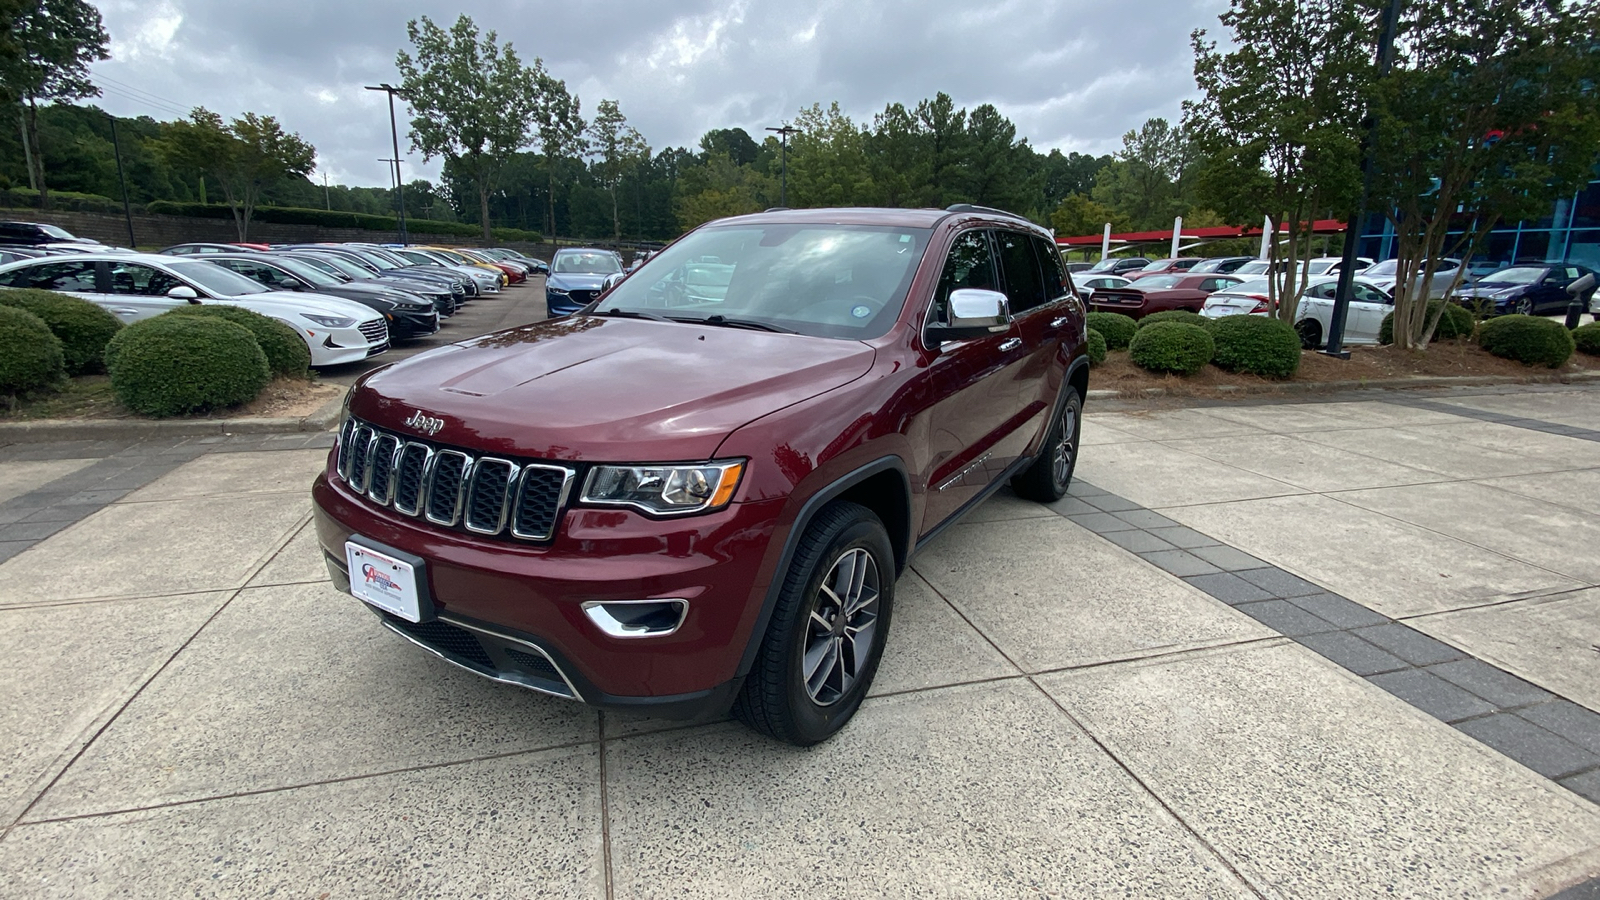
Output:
(1530, 340)
(1175, 315)
(1587, 338)
(1456, 322)
(287, 354)
(83, 327)
(1096, 345)
(1173, 347)
(172, 365)
(1116, 328)
(30, 356)
(1256, 345)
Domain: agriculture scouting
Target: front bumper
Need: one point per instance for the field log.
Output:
(337, 346)
(406, 326)
(495, 595)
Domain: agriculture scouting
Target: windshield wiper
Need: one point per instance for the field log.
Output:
(630, 314)
(724, 322)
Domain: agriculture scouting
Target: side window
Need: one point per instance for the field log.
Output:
(1367, 295)
(1057, 283)
(144, 281)
(969, 265)
(61, 276)
(1021, 267)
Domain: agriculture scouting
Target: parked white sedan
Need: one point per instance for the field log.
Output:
(1369, 304)
(137, 286)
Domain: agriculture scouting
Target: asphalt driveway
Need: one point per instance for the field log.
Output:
(1334, 649)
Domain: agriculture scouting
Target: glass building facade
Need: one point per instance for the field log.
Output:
(1570, 233)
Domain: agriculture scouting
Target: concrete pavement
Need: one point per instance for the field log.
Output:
(1330, 649)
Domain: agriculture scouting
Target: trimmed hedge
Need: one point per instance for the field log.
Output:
(287, 353)
(1256, 345)
(1172, 347)
(1587, 338)
(1116, 328)
(1175, 315)
(295, 215)
(171, 365)
(71, 201)
(30, 356)
(1456, 322)
(1096, 344)
(1529, 340)
(84, 328)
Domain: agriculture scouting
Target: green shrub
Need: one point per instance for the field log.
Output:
(1587, 338)
(1530, 340)
(83, 327)
(1256, 345)
(1456, 322)
(1172, 347)
(30, 356)
(1175, 315)
(1096, 344)
(171, 365)
(287, 354)
(1116, 328)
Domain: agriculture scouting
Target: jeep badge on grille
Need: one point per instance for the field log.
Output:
(425, 423)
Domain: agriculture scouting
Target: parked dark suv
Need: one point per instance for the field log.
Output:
(34, 234)
(679, 500)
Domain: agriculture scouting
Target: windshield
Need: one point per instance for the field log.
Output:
(1254, 286)
(53, 231)
(585, 264)
(1158, 265)
(215, 279)
(843, 281)
(1521, 275)
(1156, 282)
(1389, 267)
(350, 269)
(1253, 267)
(308, 272)
(1105, 265)
(1207, 265)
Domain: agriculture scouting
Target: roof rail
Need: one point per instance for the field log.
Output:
(973, 208)
(776, 209)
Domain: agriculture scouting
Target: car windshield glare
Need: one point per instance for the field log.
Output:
(1153, 282)
(215, 279)
(308, 272)
(586, 264)
(843, 281)
(1105, 265)
(1520, 275)
(1253, 286)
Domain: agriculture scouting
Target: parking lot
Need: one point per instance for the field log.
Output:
(1326, 649)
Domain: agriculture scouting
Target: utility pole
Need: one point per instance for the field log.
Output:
(127, 209)
(327, 192)
(394, 133)
(783, 186)
(27, 149)
(1352, 231)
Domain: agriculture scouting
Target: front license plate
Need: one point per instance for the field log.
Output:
(385, 582)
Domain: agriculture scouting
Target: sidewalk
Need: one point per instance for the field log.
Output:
(1329, 649)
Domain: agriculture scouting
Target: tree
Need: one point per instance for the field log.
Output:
(242, 157)
(1077, 215)
(473, 101)
(1142, 182)
(617, 148)
(828, 159)
(1279, 121)
(721, 187)
(46, 58)
(1001, 170)
(561, 129)
(1489, 114)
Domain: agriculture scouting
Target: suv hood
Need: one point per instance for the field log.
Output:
(586, 388)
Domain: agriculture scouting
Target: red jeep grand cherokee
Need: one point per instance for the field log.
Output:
(699, 490)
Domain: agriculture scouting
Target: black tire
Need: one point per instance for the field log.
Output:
(1047, 480)
(777, 699)
(1310, 333)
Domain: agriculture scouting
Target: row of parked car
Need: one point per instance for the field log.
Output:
(347, 301)
(1239, 285)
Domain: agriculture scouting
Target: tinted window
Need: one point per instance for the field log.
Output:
(969, 265)
(1056, 283)
(144, 281)
(56, 276)
(1023, 286)
(1368, 294)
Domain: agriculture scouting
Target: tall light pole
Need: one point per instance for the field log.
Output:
(394, 132)
(127, 209)
(783, 186)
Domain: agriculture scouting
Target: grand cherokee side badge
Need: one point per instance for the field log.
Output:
(424, 423)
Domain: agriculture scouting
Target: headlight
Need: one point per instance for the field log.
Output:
(554, 290)
(330, 321)
(664, 490)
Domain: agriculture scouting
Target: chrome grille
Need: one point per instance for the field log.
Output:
(452, 488)
(375, 331)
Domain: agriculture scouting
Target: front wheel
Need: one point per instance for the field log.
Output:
(1310, 331)
(1047, 480)
(822, 647)
(1525, 307)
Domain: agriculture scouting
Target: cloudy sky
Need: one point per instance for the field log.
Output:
(1072, 74)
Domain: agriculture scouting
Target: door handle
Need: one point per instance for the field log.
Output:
(1010, 344)
(1057, 323)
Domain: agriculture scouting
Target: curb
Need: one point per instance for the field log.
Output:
(324, 419)
(1408, 382)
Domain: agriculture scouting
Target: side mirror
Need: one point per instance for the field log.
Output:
(184, 292)
(612, 281)
(974, 312)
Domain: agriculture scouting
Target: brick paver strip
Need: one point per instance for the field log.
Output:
(1586, 434)
(1548, 734)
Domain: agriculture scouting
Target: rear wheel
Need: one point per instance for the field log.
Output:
(822, 647)
(1046, 481)
(1310, 333)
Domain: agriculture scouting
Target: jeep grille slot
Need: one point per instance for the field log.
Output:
(452, 488)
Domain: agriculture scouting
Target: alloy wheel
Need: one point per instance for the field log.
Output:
(841, 627)
(1061, 464)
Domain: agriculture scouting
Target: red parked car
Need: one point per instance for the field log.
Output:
(1160, 292)
(1165, 266)
(675, 503)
